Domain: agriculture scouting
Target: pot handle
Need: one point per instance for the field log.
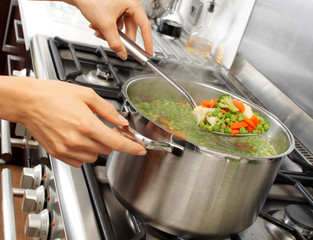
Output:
(173, 148)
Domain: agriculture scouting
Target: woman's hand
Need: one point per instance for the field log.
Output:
(106, 15)
(61, 117)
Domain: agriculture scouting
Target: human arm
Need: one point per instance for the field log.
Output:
(60, 116)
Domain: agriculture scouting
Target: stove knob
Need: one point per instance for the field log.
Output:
(37, 225)
(48, 179)
(33, 200)
(57, 228)
(52, 200)
(31, 177)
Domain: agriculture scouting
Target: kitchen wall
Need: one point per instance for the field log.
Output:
(279, 43)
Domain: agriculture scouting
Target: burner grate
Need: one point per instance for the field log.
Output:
(111, 90)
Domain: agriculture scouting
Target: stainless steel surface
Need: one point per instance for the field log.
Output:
(204, 191)
(33, 200)
(156, 8)
(18, 191)
(37, 225)
(23, 143)
(151, 144)
(9, 230)
(278, 42)
(6, 150)
(274, 100)
(76, 208)
(142, 57)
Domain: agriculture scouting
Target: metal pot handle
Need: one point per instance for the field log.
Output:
(173, 148)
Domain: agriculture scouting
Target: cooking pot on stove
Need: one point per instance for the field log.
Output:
(204, 191)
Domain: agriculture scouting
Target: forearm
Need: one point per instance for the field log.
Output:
(14, 96)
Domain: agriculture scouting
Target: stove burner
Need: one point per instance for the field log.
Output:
(100, 77)
(301, 217)
(103, 72)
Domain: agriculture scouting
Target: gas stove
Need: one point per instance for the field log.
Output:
(89, 209)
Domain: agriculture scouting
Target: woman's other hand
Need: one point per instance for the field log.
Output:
(61, 117)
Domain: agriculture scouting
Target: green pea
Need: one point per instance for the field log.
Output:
(223, 125)
(227, 130)
(202, 124)
(259, 126)
(233, 118)
(240, 119)
(210, 114)
(227, 115)
(243, 130)
(227, 120)
(214, 114)
(222, 121)
(220, 115)
(216, 128)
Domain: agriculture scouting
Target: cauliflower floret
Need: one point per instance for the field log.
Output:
(212, 120)
(248, 111)
(200, 112)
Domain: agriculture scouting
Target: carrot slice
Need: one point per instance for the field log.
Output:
(244, 146)
(238, 125)
(250, 123)
(234, 131)
(209, 104)
(213, 102)
(255, 119)
(224, 110)
(178, 133)
(239, 105)
(206, 103)
(249, 128)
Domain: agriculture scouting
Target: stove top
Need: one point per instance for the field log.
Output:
(102, 70)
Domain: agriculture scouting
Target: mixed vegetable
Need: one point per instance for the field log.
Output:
(228, 115)
(178, 118)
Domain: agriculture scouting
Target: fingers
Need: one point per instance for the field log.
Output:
(103, 108)
(143, 22)
(120, 22)
(110, 33)
(131, 27)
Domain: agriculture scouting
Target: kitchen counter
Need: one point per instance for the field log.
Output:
(56, 19)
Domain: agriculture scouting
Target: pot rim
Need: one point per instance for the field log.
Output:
(207, 150)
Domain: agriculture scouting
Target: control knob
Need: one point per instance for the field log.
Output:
(31, 177)
(57, 228)
(33, 200)
(34, 177)
(37, 225)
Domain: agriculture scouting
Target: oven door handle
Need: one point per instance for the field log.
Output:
(6, 150)
(8, 205)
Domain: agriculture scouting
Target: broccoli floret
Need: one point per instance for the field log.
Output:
(226, 101)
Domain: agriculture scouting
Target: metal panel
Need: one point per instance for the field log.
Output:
(278, 42)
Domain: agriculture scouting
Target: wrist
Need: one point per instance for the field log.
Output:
(15, 94)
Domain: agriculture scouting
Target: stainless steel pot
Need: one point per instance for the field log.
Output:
(204, 192)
